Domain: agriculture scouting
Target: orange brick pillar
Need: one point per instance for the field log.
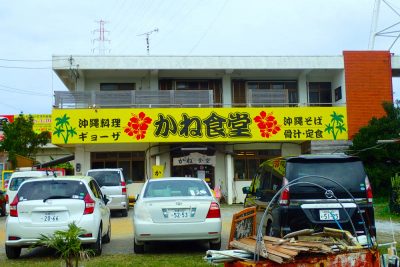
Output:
(368, 79)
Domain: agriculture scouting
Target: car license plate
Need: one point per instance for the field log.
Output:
(178, 213)
(329, 215)
(50, 217)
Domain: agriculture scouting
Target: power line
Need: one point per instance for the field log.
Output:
(27, 68)
(209, 26)
(22, 91)
(31, 60)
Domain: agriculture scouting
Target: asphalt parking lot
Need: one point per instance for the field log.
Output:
(122, 237)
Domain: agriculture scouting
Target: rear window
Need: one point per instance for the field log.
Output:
(349, 174)
(106, 178)
(45, 189)
(180, 188)
(16, 182)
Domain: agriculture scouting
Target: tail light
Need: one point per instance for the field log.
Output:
(123, 184)
(6, 198)
(14, 207)
(89, 205)
(369, 190)
(214, 211)
(285, 195)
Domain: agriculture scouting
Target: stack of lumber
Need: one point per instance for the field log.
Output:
(300, 243)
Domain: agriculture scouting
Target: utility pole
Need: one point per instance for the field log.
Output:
(148, 38)
(101, 39)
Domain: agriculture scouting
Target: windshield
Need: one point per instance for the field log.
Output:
(52, 189)
(106, 178)
(181, 188)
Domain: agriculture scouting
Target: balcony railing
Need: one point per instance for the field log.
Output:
(267, 97)
(108, 99)
(172, 98)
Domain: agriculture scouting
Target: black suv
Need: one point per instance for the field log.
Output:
(305, 205)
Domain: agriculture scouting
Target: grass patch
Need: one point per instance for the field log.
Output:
(190, 259)
(382, 212)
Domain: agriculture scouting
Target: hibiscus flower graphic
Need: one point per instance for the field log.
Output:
(137, 126)
(267, 124)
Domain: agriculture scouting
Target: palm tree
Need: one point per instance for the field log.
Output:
(67, 244)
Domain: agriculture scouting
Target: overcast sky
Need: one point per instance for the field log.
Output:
(33, 31)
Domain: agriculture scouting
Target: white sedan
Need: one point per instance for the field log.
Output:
(45, 205)
(176, 208)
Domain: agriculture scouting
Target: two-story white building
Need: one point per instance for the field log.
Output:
(213, 117)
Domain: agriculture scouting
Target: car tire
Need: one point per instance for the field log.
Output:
(215, 245)
(124, 213)
(107, 237)
(98, 246)
(138, 248)
(13, 252)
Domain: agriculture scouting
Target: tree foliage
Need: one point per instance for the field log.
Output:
(20, 139)
(381, 160)
(67, 244)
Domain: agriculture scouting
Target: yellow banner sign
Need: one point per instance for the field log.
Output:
(158, 171)
(90, 126)
(41, 123)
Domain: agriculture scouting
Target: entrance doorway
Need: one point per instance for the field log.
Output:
(197, 162)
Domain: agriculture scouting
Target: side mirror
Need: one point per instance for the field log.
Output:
(105, 199)
(246, 189)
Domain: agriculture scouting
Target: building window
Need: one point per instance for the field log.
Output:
(117, 86)
(214, 85)
(320, 94)
(240, 88)
(247, 162)
(131, 163)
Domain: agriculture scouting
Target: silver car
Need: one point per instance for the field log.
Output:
(112, 184)
(176, 208)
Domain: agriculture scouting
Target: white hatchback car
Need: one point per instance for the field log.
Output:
(17, 178)
(45, 205)
(176, 208)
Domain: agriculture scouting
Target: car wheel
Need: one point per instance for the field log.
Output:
(107, 237)
(138, 248)
(215, 245)
(98, 246)
(124, 213)
(13, 252)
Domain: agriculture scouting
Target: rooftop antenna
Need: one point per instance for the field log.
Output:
(148, 38)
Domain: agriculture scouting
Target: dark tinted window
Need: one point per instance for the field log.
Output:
(106, 178)
(171, 188)
(44, 189)
(349, 173)
(16, 182)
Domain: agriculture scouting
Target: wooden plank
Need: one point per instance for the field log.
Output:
(240, 245)
(299, 233)
(298, 248)
(279, 248)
